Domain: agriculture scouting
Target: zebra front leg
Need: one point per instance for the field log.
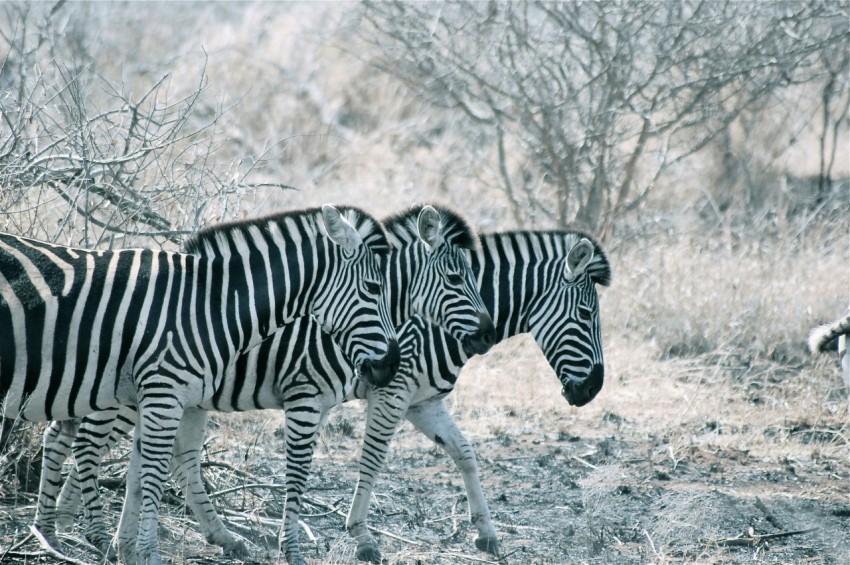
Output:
(186, 466)
(303, 424)
(159, 417)
(385, 411)
(433, 419)
(58, 438)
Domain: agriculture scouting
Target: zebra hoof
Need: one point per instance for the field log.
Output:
(369, 554)
(490, 545)
(51, 539)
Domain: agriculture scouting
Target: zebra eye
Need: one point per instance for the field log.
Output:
(454, 279)
(585, 313)
(373, 288)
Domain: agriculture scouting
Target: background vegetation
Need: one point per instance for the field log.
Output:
(705, 142)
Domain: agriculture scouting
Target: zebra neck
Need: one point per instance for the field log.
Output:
(510, 276)
(400, 270)
(257, 285)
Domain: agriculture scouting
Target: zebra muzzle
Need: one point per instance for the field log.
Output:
(483, 339)
(379, 373)
(579, 393)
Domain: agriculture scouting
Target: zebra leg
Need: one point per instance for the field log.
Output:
(96, 436)
(303, 424)
(57, 445)
(128, 525)
(384, 414)
(159, 417)
(69, 501)
(433, 419)
(186, 466)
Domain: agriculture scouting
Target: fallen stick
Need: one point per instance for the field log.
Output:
(48, 550)
(755, 539)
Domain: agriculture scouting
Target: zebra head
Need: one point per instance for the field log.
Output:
(352, 305)
(565, 322)
(431, 276)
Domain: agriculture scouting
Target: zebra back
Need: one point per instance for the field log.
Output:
(76, 320)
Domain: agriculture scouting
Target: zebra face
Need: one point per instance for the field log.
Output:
(566, 327)
(446, 294)
(352, 306)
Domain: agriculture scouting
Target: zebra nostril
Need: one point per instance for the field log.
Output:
(393, 356)
(596, 379)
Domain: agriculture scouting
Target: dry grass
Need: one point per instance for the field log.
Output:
(713, 418)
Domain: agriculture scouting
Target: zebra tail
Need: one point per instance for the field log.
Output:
(825, 337)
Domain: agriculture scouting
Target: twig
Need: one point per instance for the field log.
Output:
(754, 539)
(651, 543)
(583, 462)
(250, 486)
(48, 550)
(455, 525)
(308, 530)
(21, 543)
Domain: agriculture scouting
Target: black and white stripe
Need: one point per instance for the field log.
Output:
(87, 330)
(832, 337)
(543, 283)
(299, 369)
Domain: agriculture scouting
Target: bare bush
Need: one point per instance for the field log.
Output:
(85, 162)
(580, 106)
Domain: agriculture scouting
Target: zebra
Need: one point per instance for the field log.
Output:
(88, 330)
(538, 282)
(830, 337)
(305, 382)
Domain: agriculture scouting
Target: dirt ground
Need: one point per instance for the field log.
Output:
(709, 460)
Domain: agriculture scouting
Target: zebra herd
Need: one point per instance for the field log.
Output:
(298, 311)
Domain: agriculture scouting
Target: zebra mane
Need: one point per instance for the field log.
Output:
(368, 227)
(402, 227)
(563, 241)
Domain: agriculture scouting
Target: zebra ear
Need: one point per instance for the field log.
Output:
(430, 227)
(579, 258)
(339, 230)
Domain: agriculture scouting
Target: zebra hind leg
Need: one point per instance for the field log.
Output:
(58, 438)
(97, 435)
(186, 466)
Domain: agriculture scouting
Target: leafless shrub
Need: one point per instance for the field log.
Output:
(577, 108)
(85, 161)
